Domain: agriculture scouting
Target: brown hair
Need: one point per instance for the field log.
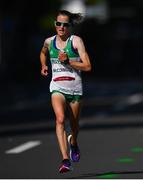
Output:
(74, 18)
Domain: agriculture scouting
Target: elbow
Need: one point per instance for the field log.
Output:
(88, 68)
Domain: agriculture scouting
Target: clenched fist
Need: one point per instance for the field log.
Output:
(44, 70)
(63, 57)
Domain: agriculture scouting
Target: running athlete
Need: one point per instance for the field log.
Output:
(68, 58)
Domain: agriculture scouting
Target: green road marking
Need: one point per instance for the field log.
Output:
(125, 160)
(108, 176)
(137, 149)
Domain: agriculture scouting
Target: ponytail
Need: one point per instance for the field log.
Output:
(74, 18)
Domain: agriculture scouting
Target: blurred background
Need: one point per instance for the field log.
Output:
(113, 34)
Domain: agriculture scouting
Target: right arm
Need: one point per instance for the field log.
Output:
(43, 57)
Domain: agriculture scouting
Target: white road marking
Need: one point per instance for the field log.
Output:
(24, 147)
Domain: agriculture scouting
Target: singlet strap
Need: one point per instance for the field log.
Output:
(71, 42)
(71, 37)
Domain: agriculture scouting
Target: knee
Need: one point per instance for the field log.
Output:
(60, 120)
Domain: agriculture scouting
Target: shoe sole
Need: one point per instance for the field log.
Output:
(65, 169)
(69, 139)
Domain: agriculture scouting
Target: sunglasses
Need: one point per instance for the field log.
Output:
(63, 24)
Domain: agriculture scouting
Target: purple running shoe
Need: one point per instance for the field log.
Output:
(74, 150)
(65, 166)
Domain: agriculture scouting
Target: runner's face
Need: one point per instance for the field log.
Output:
(62, 25)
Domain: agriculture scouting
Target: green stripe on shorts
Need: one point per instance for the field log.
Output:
(70, 98)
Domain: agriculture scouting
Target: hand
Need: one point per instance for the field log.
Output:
(63, 57)
(44, 70)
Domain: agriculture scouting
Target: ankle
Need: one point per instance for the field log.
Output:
(74, 143)
(66, 159)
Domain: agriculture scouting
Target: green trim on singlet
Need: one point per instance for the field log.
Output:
(54, 52)
(69, 98)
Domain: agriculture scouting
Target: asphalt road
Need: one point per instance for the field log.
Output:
(110, 139)
(111, 151)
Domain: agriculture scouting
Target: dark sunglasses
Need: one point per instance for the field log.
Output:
(64, 24)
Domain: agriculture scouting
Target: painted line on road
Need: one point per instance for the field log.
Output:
(23, 147)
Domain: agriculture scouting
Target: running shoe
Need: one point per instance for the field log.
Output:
(65, 166)
(74, 150)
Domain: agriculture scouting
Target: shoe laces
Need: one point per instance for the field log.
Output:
(66, 162)
(75, 148)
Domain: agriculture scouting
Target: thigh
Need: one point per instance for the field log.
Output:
(58, 103)
(75, 108)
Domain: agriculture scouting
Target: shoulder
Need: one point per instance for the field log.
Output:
(77, 40)
(48, 41)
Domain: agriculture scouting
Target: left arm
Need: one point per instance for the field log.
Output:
(85, 64)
